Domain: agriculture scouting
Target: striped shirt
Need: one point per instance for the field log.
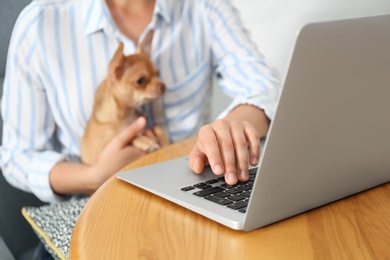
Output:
(58, 55)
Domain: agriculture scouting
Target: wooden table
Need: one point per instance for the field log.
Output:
(121, 221)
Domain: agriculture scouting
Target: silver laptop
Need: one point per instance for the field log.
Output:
(330, 137)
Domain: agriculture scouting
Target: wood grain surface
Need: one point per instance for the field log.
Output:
(121, 221)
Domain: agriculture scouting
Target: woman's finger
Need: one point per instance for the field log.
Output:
(129, 133)
(241, 151)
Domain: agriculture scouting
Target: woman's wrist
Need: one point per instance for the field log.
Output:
(73, 178)
(91, 179)
(253, 115)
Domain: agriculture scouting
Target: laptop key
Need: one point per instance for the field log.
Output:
(246, 194)
(209, 191)
(251, 178)
(253, 171)
(222, 194)
(233, 191)
(211, 181)
(236, 197)
(202, 186)
(221, 179)
(242, 210)
(187, 188)
(244, 187)
(227, 186)
(218, 200)
(238, 205)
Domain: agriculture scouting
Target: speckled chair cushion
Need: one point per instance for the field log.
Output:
(54, 224)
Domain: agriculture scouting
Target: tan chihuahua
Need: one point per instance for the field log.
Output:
(131, 82)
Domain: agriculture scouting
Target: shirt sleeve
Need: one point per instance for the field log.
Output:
(241, 71)
(28, 152)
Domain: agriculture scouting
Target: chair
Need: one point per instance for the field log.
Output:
(17, 234)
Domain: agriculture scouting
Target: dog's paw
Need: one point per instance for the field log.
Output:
(161, 136)
(146, 144)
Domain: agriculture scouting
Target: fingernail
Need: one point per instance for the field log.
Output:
(231, 178)
(140, 121)
(194, 169)
(218, 169)
(244, 175)
(254, 161)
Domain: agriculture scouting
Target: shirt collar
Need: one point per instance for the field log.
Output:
(96, 15)
(93, 15)
(164, 9)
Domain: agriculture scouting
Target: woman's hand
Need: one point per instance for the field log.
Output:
(73, 178)
(118, 153)
(224, 146)
(229, 145)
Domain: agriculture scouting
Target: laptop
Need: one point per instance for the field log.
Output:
(330, 137)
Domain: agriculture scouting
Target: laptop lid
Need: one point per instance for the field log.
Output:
(330, 136)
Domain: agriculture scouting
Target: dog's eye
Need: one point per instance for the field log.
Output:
(141, 81)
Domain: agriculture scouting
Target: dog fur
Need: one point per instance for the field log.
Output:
(131, 82)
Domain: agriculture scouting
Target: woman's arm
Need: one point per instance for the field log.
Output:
(76, 178)
(229, 143)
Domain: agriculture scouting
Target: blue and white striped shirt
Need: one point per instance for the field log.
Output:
(58, 55)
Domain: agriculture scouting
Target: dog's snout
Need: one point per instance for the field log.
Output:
(161, 86)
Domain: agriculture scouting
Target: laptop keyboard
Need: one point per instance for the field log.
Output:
(235, 197)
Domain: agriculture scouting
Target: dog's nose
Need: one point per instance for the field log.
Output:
(162, 87)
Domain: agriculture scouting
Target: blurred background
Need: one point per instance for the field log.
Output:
(273, 25)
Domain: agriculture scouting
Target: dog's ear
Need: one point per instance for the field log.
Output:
(115, 68)
(145, 46)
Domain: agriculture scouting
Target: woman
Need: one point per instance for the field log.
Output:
(59, 53)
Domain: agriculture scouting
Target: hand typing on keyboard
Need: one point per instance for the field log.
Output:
(235, 197)
(228, 144)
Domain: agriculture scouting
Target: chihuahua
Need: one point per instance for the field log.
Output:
(131, 82)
